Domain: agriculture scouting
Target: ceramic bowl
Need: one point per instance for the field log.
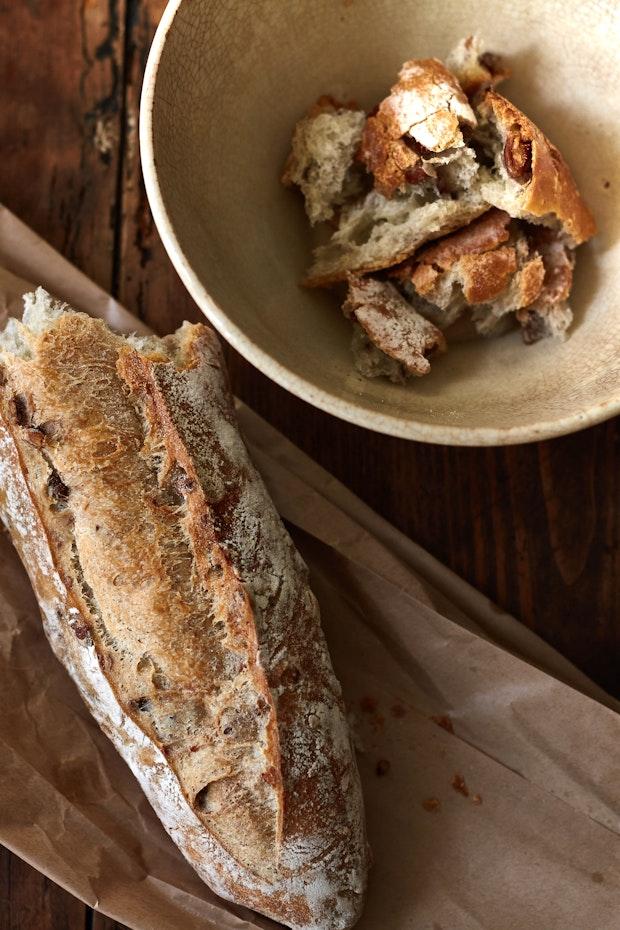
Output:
(225, 84)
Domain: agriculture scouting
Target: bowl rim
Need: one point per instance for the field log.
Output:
(389, 424)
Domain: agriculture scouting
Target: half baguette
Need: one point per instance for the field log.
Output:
(173, 595)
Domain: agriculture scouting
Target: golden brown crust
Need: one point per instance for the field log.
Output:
(179, 605)
(421, 116)
(480, 260)
(485, 276)
(548, 185)
(481, 235)
(484, 268)
(390, 160)
(531, 278)
(423, 277)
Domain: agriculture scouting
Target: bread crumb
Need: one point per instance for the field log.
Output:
(606, 184)
(476, 799)
(443, 721)
(458, 783)
(383, 767)
(432, 805)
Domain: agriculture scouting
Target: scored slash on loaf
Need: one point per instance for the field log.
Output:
(175, 598)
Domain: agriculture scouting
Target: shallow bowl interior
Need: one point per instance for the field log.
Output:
(226, 83)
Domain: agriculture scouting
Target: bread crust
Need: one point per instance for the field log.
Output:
(422, 116)
(475, 69)
(548, 185)
(484, 265)
(392, 324)
(483, 234)
(488, 259)
(175, 598)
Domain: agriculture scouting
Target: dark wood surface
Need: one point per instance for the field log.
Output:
(535, 527)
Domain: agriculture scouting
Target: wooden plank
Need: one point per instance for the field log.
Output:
(29, 901)
(61, 77)
(147, 284)
(101, 922)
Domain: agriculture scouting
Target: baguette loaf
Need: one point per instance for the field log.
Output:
(172, 593)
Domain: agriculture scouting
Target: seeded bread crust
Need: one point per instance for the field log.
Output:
(174, 596)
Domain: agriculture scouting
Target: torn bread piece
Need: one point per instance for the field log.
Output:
(391, 328)
(487, 266)
(475, 69)
(321, 161)
(531, 180)
(549, 314)
(376, 233)
(417, 128)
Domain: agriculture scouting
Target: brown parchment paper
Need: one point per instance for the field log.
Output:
(531, 839)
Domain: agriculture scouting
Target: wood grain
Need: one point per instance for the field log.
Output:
(62, 91)
(29, 901)
(536, 528)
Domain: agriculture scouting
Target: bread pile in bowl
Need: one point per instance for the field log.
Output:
(444, 158)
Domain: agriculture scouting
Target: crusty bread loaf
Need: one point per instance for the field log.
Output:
(174, 596)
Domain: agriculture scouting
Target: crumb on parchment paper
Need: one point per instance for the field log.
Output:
(443, 721)
(459, 784)
(432, 805)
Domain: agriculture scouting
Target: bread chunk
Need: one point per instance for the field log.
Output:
(393, 327)
(321, 162)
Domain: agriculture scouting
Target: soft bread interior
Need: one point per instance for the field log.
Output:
(41, 311)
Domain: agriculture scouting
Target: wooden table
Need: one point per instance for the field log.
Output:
(535, 527)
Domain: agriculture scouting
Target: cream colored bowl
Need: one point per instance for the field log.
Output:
(225, 84)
